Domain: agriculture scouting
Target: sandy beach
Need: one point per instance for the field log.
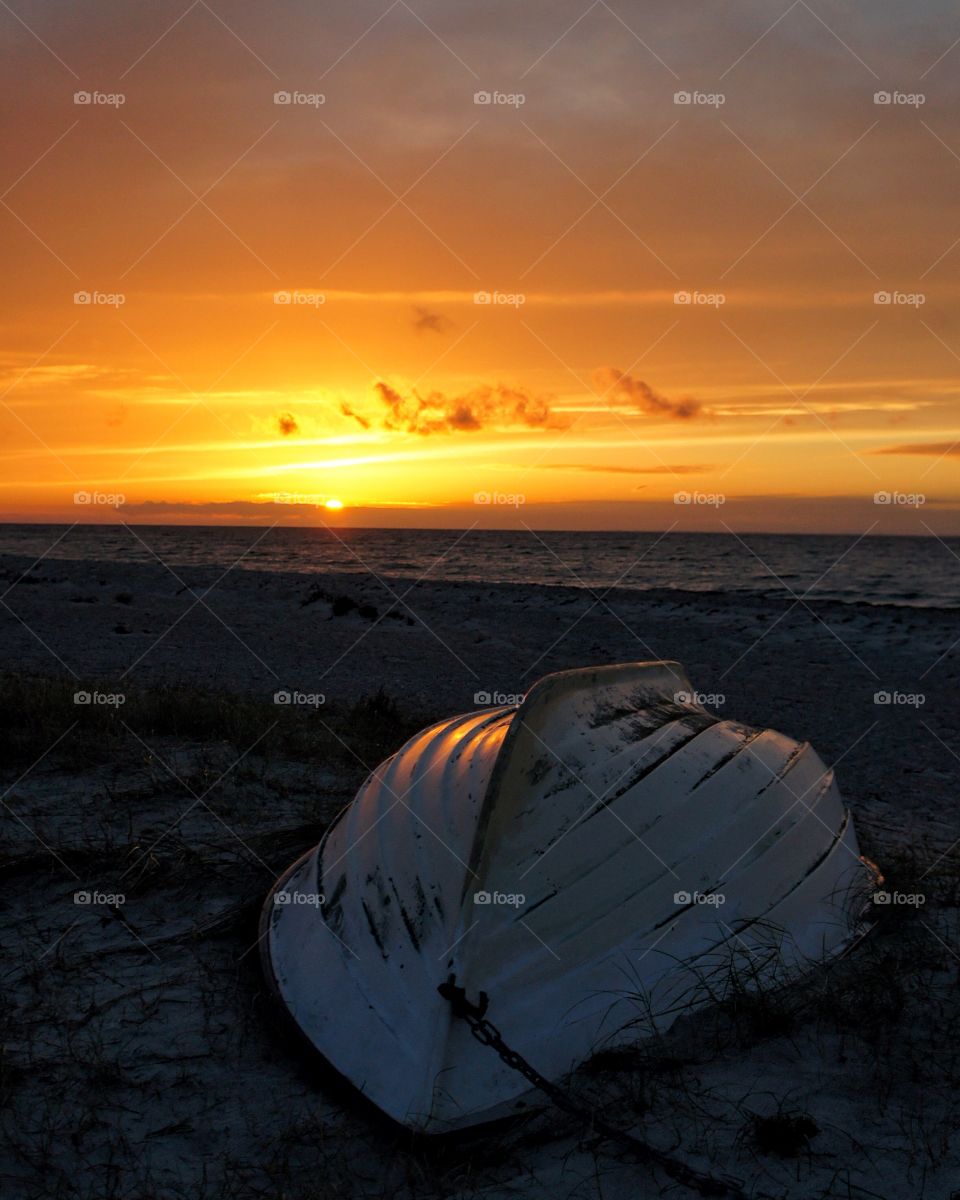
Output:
(810, 668)
(142, 1056)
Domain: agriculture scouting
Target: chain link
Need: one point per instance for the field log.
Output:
(488, 1035)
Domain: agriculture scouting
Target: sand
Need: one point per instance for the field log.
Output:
(141, 1055)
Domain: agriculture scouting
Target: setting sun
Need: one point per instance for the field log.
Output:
(333, 503)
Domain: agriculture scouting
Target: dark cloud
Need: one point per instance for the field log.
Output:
(626, 388)
(287, 424)
(933, 450)
(496, 407)
(349, 412)
(425, 321)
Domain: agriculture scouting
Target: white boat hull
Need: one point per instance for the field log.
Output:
(596, 861)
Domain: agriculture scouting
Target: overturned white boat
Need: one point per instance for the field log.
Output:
(595, 860)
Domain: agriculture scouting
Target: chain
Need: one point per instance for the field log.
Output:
(488, 1035)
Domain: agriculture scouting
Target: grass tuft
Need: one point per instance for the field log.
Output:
(38, 713)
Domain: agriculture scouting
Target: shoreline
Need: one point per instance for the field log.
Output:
(15, 566)
(884, 574)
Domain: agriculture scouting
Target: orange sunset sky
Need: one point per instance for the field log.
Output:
(587, 199)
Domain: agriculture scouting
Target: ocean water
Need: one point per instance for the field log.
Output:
(917, 572)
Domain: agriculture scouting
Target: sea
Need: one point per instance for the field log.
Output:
(891, 571)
